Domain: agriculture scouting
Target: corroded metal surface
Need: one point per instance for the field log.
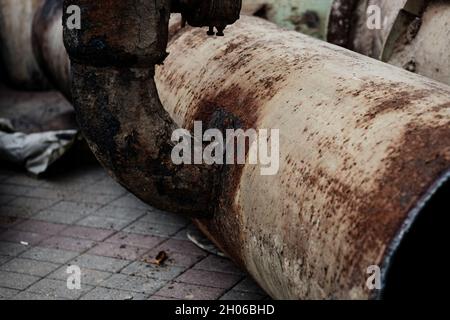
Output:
(16, 18)
(361, 143)
(118, 107)
(48, 46)
(413, 34)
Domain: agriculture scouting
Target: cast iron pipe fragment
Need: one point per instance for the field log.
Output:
(113, 63)
(365, 148)
(411, 34)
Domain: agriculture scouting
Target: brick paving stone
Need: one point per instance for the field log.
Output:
(40, 227)
(104, 222)
(5, 199)
(105, 226)
(100, 263)
(34, 204)
(106, 186)
(133, 283)
(137, 240)
(29, 267)
(239, 295)
(155, 297)
(209, 279)
(30, 296)
(214, 263)
(8, 221)
(161, 217)
(6, 293)
(22, 236)
(129, 201)
(51, 288)
(119, 251)
(89, 198)
(45, 193)
(112, 294)
(17, 281)
(87, 233)
(153, 229)
(146, 270)
(14, 190)
(88, 276)
(58, 217)
(4, 259)
(120, 213)
(178, 259)
(249, 285)
(24, 180)
(75, 207)
(49, 255)
(67, 243)
(11, 249)
(18, 212)
(190, 292)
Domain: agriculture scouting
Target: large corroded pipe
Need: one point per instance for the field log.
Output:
(364, 147)
(411, 34)
(325, 19)
(415, 35)
(118, 108)
(363, 144)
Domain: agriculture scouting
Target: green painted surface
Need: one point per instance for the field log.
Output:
(306, 16)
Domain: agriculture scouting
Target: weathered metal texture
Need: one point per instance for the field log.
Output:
(118, 108)
(306, 16)
(361, 145)
(415, 36)
(48, 46)
(32, 48)
(16, 18)
(370, 42)
(329, 20)
(427, 52)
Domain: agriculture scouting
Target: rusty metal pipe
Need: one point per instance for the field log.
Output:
(118, 108)
(364, 147)
(413, 34)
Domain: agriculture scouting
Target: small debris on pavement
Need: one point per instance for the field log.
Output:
(159, 259)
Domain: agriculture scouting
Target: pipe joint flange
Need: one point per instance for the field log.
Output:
(127, 33)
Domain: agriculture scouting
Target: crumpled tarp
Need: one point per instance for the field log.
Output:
(35, 151)
(36, 128)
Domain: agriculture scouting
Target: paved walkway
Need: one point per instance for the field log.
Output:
(83, 218)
